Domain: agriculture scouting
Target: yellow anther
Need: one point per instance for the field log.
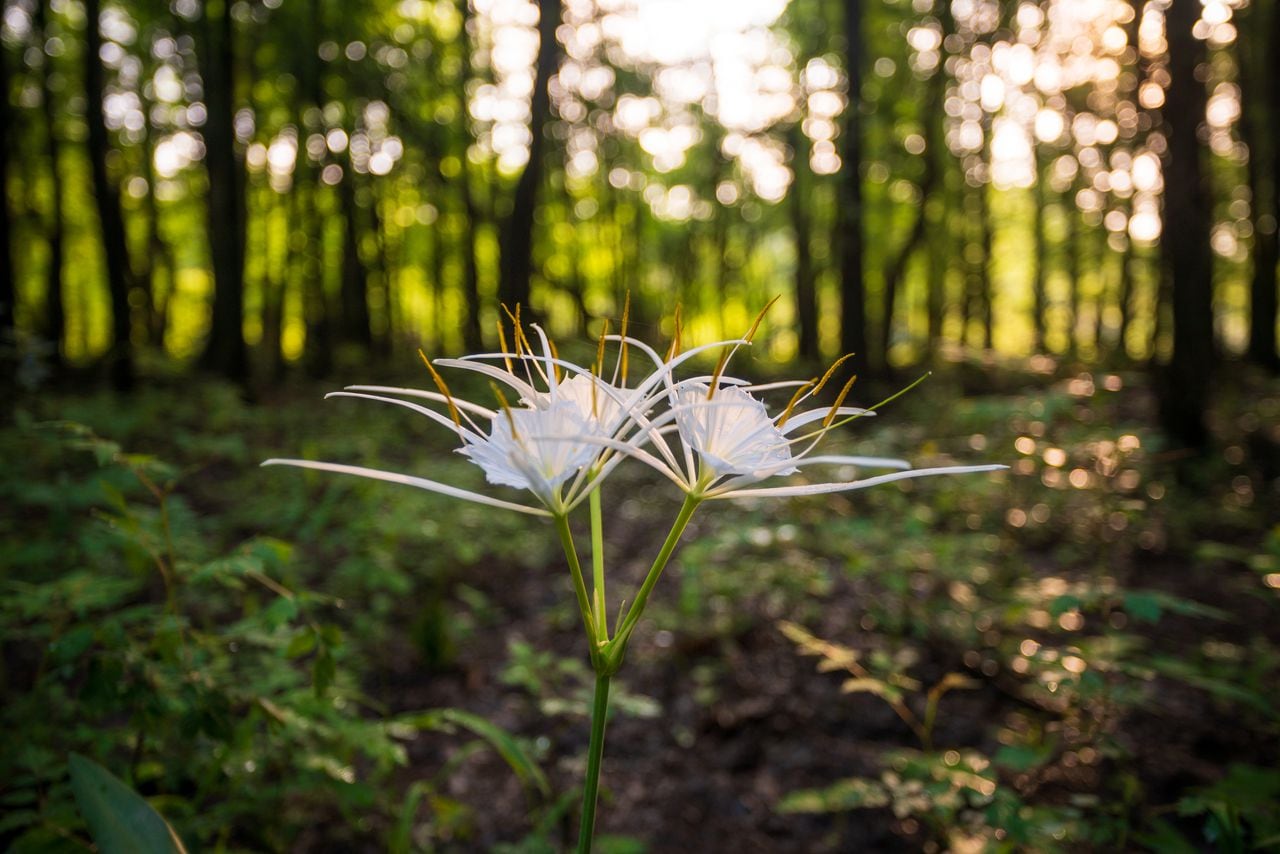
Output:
(760, 317)
(831, 371)
(599, 367)
(835, 407)
(678, 323)
(622, 332)
(444, 389)
(506, 408)
(715, 375)
(502, 341)
(795, 398)
(521, 340)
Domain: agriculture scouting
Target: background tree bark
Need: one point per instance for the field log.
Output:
(107, 199)
(1184, 386)
(225, 352)
(516, 255)
(55, 314)
(853, 293)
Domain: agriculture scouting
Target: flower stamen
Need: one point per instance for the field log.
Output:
(622, 332)
(599, 368)
(831, 372)
(835, 407)
(506, 409)
(502, 342)
(760, 318)
(678, 324)
(444, 389)
(795, 399)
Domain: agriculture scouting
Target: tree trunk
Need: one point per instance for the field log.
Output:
(1126, 299)
(107, 198)
(853, 295)
(896, 268)
(806, 291)
(1184, 391)
(55, 308)
(1261, 92)
(159, 253)
(516, 255)
(471, 337)
(1072, 246)
(1038, 281)
(225, 352)
(354, 288)
(8, 291)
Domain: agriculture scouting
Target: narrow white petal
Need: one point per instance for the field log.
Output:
(408, 480)
(840, 460)
(523, 388)
(801, 419)
(443, 420)
(798, 462)
(605, 388)
(464, 405)
(758, 387)
(824, 488)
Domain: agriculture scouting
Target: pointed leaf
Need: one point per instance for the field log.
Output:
(119, 819)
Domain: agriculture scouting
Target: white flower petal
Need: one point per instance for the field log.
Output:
(463, 405)
(443, 420)
(408, 480)
(825, 488)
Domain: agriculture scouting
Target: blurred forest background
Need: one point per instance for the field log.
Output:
(1067, 207)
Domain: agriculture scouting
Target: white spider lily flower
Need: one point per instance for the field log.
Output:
(730, 442)
(559, 444)
(752, 446)
(538, 449)
(736, 437)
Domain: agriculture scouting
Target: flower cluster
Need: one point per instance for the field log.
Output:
(570, 425)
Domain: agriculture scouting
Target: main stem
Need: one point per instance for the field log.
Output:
(590, 788)
(606, 655)
(599, 611)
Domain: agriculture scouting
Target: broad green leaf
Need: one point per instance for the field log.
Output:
(119, 819)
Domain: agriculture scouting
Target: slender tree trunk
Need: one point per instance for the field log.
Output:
(354, 288)
(895, 269)
(225, 352)
(309, 184)
(8, 290)
(383, 264)
(1038, 277)
(55, 308)
(1261, 93)
(1072, 248)
(159, 253)
(1185, 243)
(806, 291)
(853, 294)
(516, 256)
(1127, 262)
(471, 337)
(107, 198)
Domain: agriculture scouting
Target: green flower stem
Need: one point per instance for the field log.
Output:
(606, 654)
(595, 753)
(597, 568)
(575, 570)
(618, 645)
